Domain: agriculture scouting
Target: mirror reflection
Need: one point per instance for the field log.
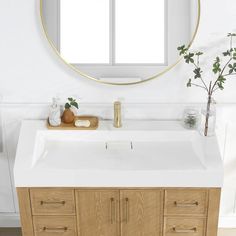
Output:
(120, 38)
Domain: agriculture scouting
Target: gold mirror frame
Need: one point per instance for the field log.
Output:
(112, 83)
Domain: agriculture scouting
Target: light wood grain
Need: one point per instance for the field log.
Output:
(184, 226)
(16, 232)
(55, 225)
(141, 212)
(52, 201)
(120, 211)
(25, 211)
(94, 122)
(213, 211)
(98, 213)
(186, 202)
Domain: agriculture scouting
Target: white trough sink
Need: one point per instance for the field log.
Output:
(140, 154)
(119, 150)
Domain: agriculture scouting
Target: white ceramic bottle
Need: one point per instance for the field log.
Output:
(55, 113)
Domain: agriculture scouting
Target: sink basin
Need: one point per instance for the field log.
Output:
(140, 154)
(119, 150)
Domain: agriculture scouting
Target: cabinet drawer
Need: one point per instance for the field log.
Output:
(186, 202)
(184, 226)
(52, 201)
(54, 225)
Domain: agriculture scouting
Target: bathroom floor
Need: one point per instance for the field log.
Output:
(16, 232)
(10, 232)
(227, 232)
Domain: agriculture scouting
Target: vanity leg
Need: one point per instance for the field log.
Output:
(213, 211)
(25, 211)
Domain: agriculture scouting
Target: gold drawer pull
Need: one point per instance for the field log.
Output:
(52, 202)
(193, 230)
(55, 230)
(190, 204)
(113, 209)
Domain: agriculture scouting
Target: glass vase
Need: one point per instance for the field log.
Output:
(208, 118)
(190, 118)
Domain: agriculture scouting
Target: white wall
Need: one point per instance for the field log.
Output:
(30, 72)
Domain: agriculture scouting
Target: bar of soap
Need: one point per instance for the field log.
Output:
(82, 123)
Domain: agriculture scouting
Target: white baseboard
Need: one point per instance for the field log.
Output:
(9, 220)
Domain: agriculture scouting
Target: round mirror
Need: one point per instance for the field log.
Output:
(120, 42)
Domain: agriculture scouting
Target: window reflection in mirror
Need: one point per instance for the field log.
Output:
(112, 32)
(84, 31)
(120, 38)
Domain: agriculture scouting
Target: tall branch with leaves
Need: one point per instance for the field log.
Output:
(222, 68)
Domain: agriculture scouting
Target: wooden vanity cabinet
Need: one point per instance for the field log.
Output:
(119, 212)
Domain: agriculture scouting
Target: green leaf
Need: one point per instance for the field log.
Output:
(234, 55)
(67, 106)
(216, 69)
(227, 53)
(221, 87)
(216, 66)
(231, 34)
(220, 82)
(189, 58)
(197, 73)
(232, 68)
(70, 99)
(189, 84)
(221, 79)
(182, 49)
(75, 104)
(199, 53)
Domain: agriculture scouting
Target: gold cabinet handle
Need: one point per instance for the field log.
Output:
(52, 202)
(190, 204)
(55, 230)
(176, 230)
(126, 210)
(113, 209)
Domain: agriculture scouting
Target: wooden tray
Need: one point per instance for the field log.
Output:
(94, 121)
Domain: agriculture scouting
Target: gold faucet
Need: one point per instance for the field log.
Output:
(117, 114)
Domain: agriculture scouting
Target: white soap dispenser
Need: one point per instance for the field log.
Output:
(55, 113)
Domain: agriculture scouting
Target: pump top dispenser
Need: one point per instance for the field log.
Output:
(55, 113)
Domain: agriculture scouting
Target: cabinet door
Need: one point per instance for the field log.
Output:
(141, 212)
(97, 212)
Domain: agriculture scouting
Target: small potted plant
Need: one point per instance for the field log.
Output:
(222, 68)
(68, 115)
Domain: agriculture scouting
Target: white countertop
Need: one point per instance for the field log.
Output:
(140, 154)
